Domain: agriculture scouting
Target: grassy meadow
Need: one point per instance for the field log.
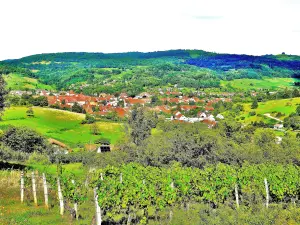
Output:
(12, 211)
(61, 125)
(284, 106)
(18, 82)
(253, 84)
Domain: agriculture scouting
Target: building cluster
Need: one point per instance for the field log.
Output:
(171, 103)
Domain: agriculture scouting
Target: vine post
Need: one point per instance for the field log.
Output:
(60, 197)
(45, 191)
(171, 212)
(98, 210)
(267, 192)
(34, 188)
(236, 196)
(75, 204)
(22, 186)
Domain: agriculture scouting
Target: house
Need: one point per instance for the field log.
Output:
(211, 117)
(132, 101)
(210, 123)
(278, 126)
(202, 115)
(207, 108)
(188, 107)
(44, 93)
(219, 116)
(145, 95)
(104, 147)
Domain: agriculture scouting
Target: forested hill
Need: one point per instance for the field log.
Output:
(136, 71)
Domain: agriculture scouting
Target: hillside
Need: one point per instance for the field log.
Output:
(61, 125)
(136, 72)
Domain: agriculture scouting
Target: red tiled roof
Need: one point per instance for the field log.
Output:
(188, 107)
(207, 108)
(136, 101)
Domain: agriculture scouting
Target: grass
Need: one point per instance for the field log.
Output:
(17, 82)
(284, 106)
(12, 211)
(253, 84)
(61, 125)
(73, 168)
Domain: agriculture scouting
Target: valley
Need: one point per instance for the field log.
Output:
(150, 138)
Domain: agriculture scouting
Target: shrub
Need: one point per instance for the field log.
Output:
(252, 113)
(38, 158)
(24, 139)
(7, 154)
(89, 119)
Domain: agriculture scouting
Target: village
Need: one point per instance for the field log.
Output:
(172, 104)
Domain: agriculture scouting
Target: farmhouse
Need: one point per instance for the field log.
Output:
(278, 126)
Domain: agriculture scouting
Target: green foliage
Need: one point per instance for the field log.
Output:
(95, 129)
(38, 158)
(30, 112)
(3, 93)
(77, 108)
(23, 139)
(141, 122)
(89, 119)
(130, 188)
(39, 101)
(254, 104)
(7, 154)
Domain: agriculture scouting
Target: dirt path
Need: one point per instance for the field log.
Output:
(272, 117)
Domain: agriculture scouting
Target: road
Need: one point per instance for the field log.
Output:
(272, 117)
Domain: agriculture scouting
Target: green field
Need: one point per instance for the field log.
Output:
(254, 84)
(18, 82)
(284, 106)
(61, 125)
(12, 211)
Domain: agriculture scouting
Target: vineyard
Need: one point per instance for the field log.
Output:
(134, 194)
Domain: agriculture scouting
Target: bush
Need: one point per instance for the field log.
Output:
(89, 119)
(38, 158)
(24, 139)
(252, 113)
(7, 154)
(73, 157)
(102, 140)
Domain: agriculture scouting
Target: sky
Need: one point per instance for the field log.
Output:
(255, 27)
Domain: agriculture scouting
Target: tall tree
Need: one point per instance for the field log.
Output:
(254, 104)
(141, 122)
(3, 93)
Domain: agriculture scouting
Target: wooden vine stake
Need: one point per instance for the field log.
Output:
(34, 188)
(22, 186)
(75, 204)
(267, 192)
(121, 178)
(236, 196)
(60, 197)
(98, 210)
(171, 212)
(45, 191)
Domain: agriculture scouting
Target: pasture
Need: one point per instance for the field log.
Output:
(283, 106)
(254, 84)
(12, 211)
(61, 125)
(18, 82)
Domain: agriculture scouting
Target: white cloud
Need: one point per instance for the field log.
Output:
(232, 26)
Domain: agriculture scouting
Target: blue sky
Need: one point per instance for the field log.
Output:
(227, 26)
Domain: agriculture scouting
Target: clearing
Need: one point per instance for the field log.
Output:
(271, 108)
(61, 125)
(254, 84)
(18, 82)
